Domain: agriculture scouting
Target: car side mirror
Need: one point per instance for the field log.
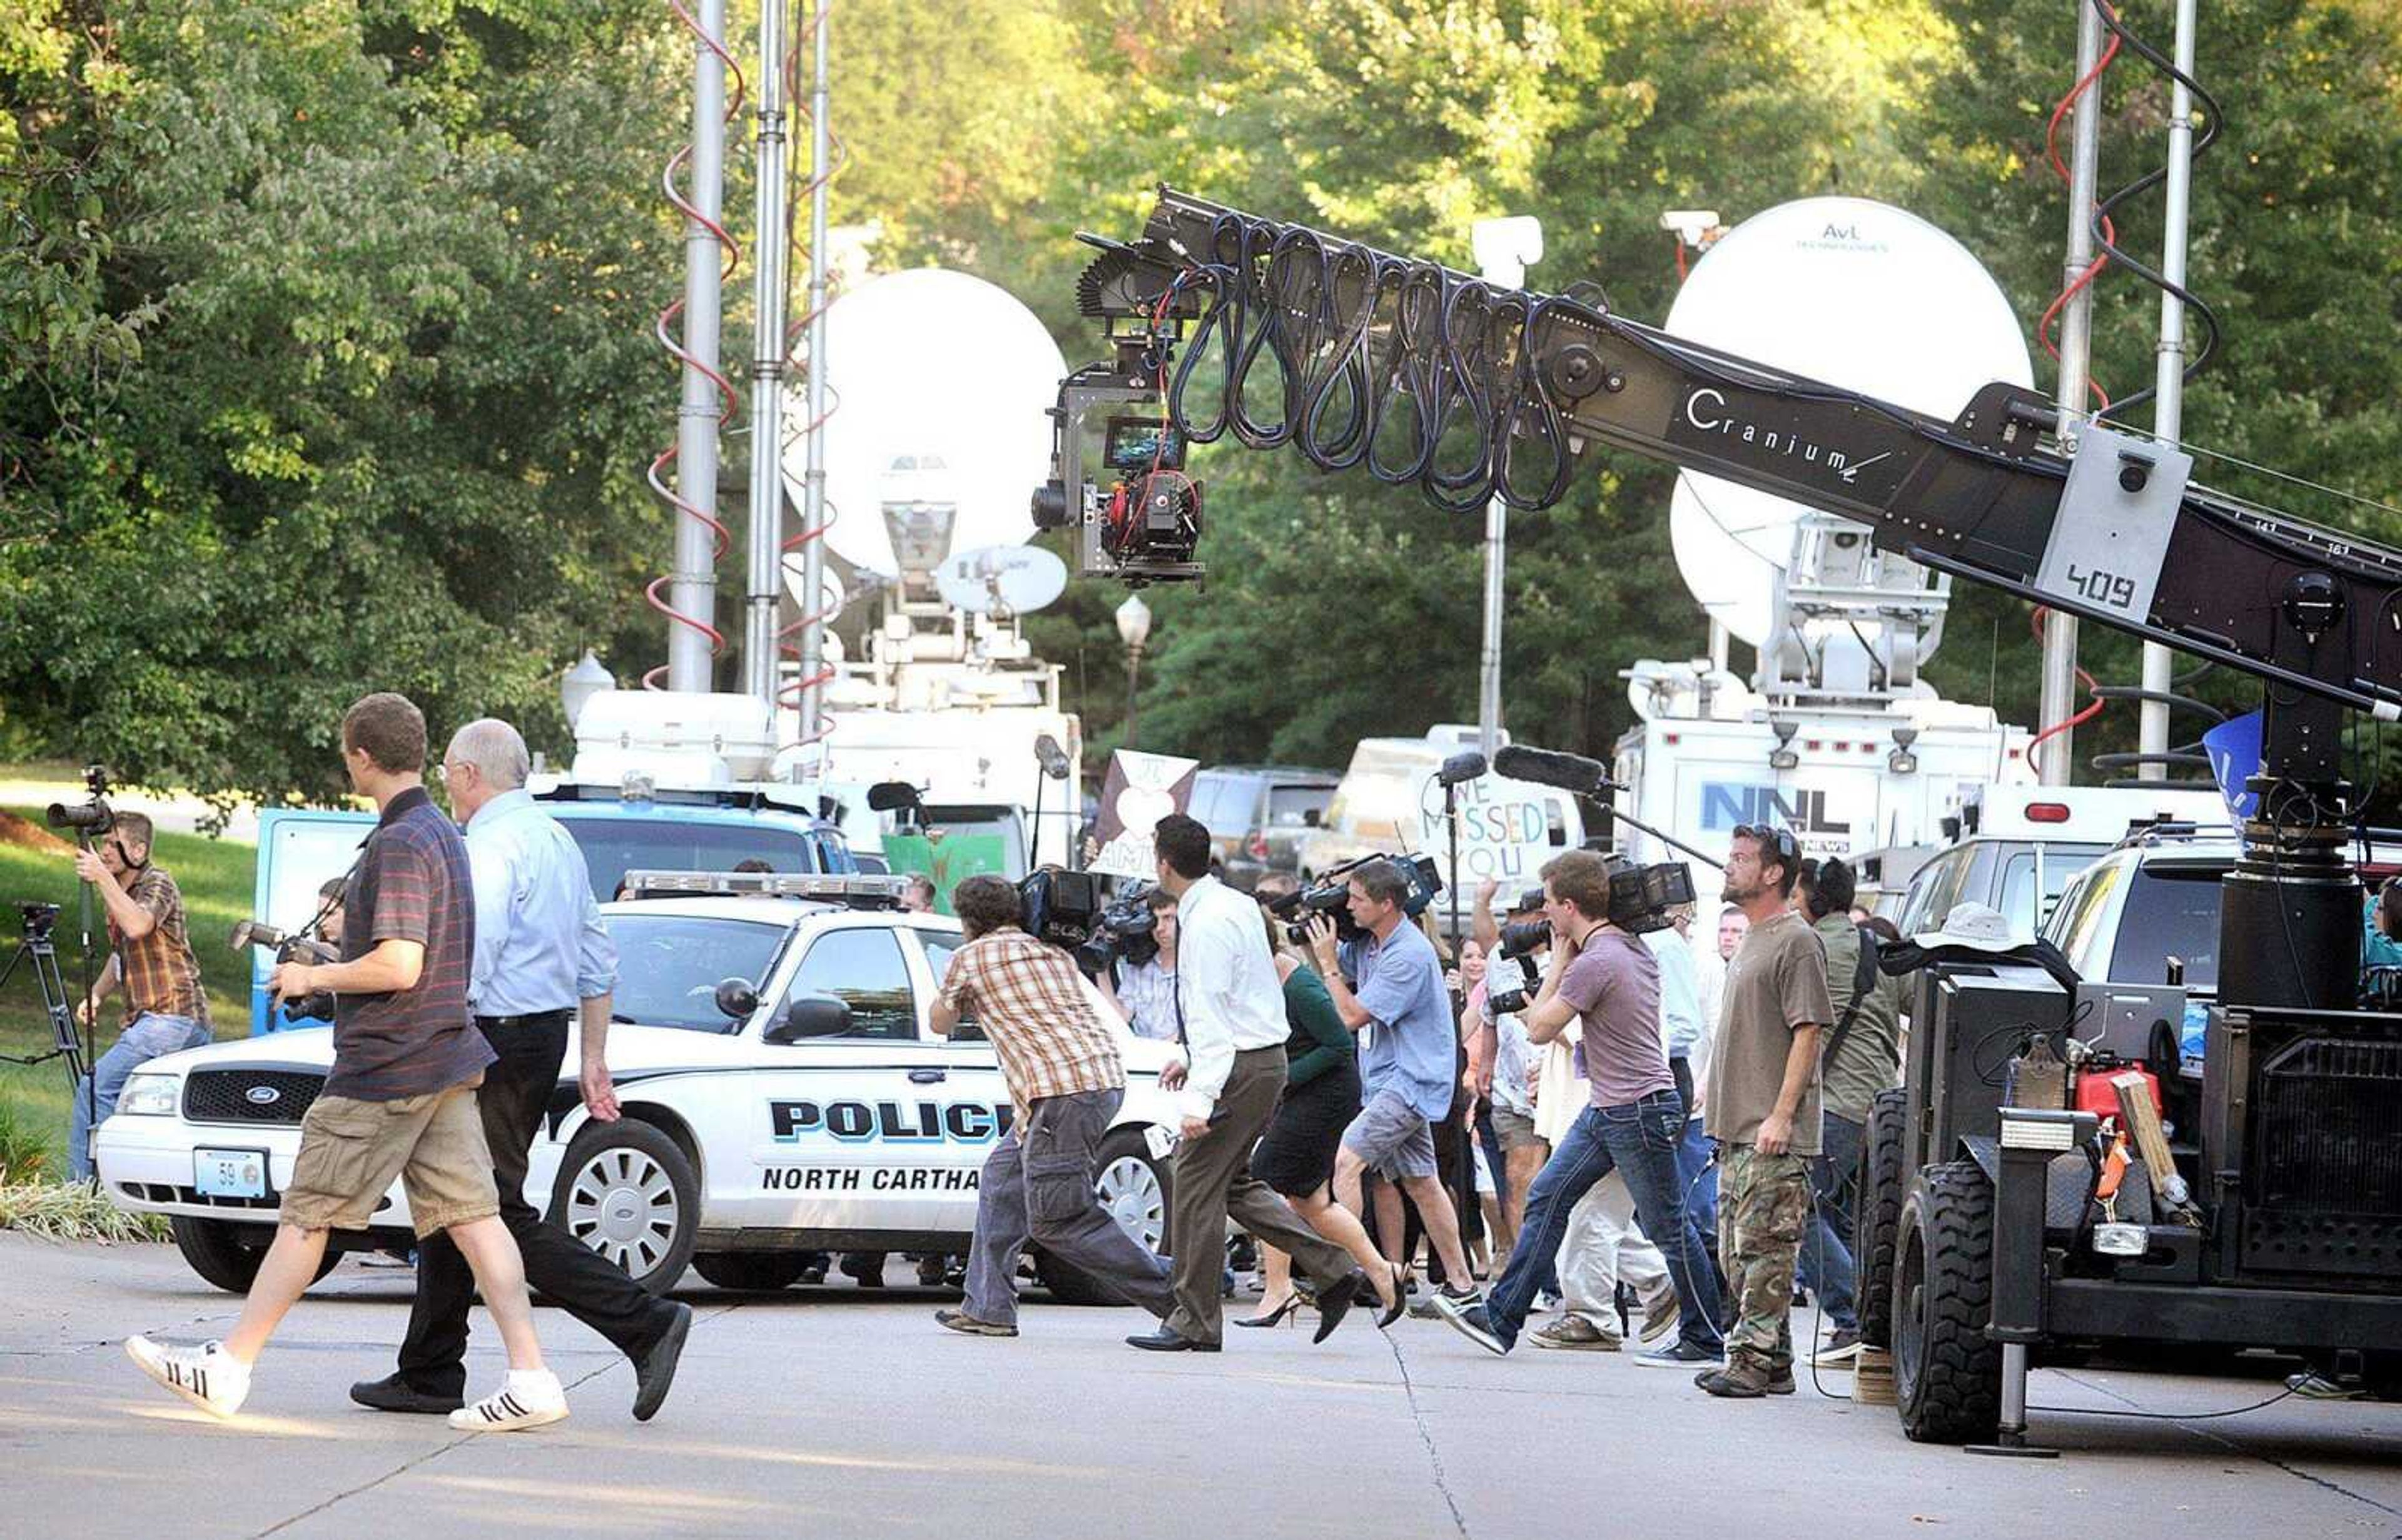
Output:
(737, 998)
(810, 1016)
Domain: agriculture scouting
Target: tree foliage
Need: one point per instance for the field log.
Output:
(324, 351)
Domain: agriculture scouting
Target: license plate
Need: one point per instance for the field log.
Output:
(229, 1172)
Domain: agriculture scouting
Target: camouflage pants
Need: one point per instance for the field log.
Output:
(1763, 1201)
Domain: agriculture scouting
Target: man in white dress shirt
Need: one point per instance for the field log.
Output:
(1230, 1005)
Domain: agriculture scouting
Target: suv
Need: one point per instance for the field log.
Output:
(1257, 815)
(782, 1093)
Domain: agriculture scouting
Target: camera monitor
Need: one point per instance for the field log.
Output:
(1140, 444)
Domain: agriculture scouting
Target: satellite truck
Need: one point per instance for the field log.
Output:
(2258, 1206)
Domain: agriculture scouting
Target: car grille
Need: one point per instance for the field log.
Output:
(241, 1095)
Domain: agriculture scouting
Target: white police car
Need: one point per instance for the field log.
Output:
(782, 1093)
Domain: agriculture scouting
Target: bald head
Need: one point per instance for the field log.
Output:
(485, 758)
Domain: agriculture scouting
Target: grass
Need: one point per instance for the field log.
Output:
(216, 877)
(71, 1211)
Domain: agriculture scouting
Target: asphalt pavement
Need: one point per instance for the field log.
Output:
(840, 1413)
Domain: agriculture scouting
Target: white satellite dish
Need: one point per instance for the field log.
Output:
(1845, 290)
(1017, 579)
(950, 377)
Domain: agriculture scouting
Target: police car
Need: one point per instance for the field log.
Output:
(782, 1093)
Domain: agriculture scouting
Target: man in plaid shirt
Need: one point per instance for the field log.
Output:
(1061, 1061)
(166, 1011)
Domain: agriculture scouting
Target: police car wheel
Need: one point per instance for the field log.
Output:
(1133, 1188)
(215, 1249)
(627, 1191)
(752, 1269)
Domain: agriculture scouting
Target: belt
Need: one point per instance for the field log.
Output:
(532, 1018)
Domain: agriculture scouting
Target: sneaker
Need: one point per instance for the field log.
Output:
(1841, 1347)
(528, 1398)
(2315, 1386)
(1677, 1355)
(968, 1325)
(1735, 1382)
(1427, 1309)
(1466, 1314)
(1661, 1322)
(207, 1376)
(1577, 1334)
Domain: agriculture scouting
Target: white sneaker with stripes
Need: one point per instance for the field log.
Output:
(528, 1398)
(207, 1376)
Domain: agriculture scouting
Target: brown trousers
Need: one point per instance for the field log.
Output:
(1214, 1183)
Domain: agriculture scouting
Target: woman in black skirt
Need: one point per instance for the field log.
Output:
(1296, 1155)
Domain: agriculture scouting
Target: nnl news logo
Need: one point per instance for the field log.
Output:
(1728, 803)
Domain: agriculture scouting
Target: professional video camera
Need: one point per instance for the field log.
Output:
(1074, 911)
(91, 818)
(291, 947)
(1331, 894)
(1137, 513)
(1640, 897)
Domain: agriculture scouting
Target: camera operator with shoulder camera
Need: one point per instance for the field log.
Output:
(1605, 979)
(150, 954)
(1065, 1081)
(1144, 992)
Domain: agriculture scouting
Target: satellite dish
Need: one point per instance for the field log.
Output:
(1013, 579)
(940, 384)
(1845, 290)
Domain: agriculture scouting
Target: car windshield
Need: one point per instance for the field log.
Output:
(614, 846)
(2020, 892)
(669, 966)
(2170, 912)
(1289, 806)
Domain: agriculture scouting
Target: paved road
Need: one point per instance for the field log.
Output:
(838, 1413)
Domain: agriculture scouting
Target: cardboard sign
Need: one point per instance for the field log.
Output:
(1142, 790)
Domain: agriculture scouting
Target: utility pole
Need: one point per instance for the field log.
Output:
(766, 524)
(813, 477)
(2057, 754)
(2168, 417)
(1504, 249)
(693, 592)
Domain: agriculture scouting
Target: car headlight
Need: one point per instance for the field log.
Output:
(149, 1096)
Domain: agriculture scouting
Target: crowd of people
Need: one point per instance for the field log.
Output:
(1568, 1115)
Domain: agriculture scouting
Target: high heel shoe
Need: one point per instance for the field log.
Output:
(1283, 1314)
(1401, 1302)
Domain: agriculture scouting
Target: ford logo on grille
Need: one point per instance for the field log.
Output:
(262, 1096)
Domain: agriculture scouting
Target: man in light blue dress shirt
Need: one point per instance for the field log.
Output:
(541, 958)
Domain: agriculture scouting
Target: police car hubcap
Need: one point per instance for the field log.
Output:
(624, 1207)
(1129, 1190)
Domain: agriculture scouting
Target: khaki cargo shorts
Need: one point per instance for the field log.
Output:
(351, 1150)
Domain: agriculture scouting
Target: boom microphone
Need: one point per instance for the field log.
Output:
(1460, 767)
(1053, 758)
(1550, 768)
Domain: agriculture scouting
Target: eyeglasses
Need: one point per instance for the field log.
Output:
(1776, 838)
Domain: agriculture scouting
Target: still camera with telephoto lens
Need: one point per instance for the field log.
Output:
(291, 947)
(91, 817)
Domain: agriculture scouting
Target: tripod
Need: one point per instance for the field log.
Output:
(66, 1041)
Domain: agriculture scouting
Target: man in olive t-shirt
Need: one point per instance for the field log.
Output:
(1762, 1108)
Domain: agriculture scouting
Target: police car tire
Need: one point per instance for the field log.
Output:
(761, 1270)
(215, 1251)
(1947, 1373)
(1071, 1285)
(1878, 1221)
(643, 1144)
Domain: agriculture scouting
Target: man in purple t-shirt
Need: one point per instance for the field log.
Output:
(1608, 978)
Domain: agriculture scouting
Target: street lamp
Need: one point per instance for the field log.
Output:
(584, 680)
(1134, 630)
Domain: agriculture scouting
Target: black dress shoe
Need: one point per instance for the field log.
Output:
(1168, 1340)
(655, 1371)
(394, 1393)
(1335, 1301)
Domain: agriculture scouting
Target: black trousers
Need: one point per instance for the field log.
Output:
(512, 1098)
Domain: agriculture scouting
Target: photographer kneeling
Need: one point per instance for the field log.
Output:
(1608, 979)
(1065, 1080)
(166, 1011)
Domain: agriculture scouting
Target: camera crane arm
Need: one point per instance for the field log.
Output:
(2111, 528)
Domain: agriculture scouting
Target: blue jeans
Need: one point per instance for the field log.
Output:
(1639, 1140)
(1827, 1269)
(147, 1036)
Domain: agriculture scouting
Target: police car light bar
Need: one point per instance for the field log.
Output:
(856, 892)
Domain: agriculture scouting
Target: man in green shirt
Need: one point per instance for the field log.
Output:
(1861, 1056)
